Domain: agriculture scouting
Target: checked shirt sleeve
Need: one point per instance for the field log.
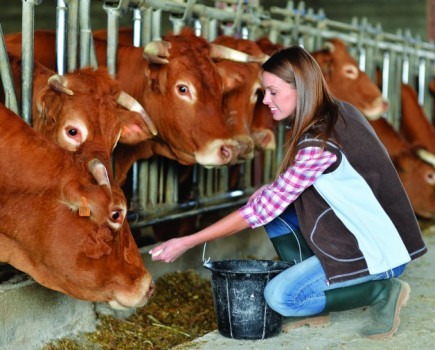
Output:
(309, 164)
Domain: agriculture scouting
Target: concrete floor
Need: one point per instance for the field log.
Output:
(416, 331)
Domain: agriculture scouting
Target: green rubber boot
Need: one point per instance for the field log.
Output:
(385, 298)
(292, 247)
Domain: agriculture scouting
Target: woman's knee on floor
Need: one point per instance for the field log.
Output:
(285, 304)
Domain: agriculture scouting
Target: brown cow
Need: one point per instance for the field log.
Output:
(417, 177)
(59, 226)
(415, 126)
(347, 81)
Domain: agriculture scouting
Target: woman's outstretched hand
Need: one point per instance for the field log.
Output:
(170, 250)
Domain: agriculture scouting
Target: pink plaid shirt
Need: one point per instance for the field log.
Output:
(273, 199)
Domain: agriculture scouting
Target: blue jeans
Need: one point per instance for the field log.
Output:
(299, 290)
(283, 224)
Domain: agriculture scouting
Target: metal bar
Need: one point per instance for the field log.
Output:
(6, 76)
(156, 24)
(421, 80)
(85, 32)
(137, 25)
(72, 34)
(146, 26)
(112, 39)
(224, 201)
(27, 59)
(61, 28)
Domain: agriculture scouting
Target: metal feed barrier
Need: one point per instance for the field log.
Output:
(154, 184)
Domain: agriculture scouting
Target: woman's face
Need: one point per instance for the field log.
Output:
(279, 96)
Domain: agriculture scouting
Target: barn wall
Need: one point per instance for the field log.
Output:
(392, 14)
(45, 16)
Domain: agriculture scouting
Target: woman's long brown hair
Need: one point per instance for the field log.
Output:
(316, 109)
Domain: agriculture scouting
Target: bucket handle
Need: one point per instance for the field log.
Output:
(204, 260)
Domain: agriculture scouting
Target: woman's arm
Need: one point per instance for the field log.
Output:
(172, 249)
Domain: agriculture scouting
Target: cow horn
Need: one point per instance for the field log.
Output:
(131, 104)
(329, 46)
(99, 172)
(227, 53)
(59, 83)
(157, 51)
(426, 156)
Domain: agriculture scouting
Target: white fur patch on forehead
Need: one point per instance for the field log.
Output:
(72, 134)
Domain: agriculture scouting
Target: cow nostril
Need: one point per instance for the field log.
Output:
(226, 153)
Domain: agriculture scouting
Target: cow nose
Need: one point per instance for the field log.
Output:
(229, 152)
(246, 146)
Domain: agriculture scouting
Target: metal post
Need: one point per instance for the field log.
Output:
(137, 25)
(112, 39)
(156, 23)
(6, 76)
(146, 27)
(61, 24)
(85, 32)
(72, 34)
(27, 57)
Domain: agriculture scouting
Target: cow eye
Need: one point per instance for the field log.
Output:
(183, 89)
(117, 216)
(73, 135)
(350, 71)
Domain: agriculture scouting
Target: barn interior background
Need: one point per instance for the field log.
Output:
(402, 30)
(417, 16)
(393, 35)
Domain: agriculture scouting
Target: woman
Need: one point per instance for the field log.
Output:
(337, 192)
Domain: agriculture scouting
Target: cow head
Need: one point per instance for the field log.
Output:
(72, 254)
(87, 107)
(242, 82)
(347, 82)
(418, 178)
(183, 95)
(263, 127)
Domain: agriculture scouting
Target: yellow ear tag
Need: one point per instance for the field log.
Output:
(84, 210)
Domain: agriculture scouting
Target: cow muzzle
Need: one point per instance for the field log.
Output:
(137, 297)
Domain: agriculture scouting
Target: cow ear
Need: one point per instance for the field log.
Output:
(133, 127)
(230, 78)
(49, 105)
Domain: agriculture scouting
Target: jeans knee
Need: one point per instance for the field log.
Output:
(281, 303)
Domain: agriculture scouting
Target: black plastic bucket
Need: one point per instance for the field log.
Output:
(241, 310)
